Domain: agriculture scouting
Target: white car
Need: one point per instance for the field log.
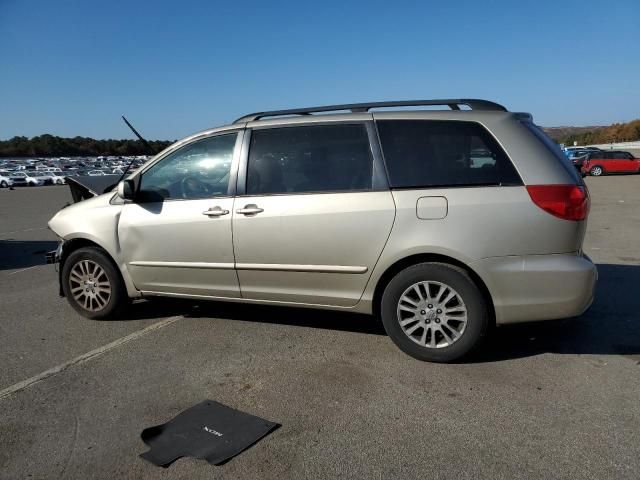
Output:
(51, 177)
(25, 179)
(96, 173)
(5, 182)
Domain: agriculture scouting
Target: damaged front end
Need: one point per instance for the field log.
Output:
(83, 188)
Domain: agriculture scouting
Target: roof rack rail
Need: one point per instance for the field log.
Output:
(453, 104)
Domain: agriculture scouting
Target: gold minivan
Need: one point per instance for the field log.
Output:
(441, 222)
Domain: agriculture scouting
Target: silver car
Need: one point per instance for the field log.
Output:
(440, 222)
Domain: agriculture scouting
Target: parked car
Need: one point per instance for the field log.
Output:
(577, 157)
(5, 181)
(374, 212)
(51, 178)
(610, 162)
(26, 179)
(571, 150)
(95, 173)
(46, 179)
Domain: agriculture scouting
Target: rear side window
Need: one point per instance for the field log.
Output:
(426, 153)
(306, 159)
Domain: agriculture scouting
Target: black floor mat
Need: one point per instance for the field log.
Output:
(209, 430)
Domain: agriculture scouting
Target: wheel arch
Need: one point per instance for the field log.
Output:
(75, 243)
(415, 259)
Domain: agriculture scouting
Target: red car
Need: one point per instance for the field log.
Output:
(611, 161)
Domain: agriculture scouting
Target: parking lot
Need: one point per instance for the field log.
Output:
(550, 400)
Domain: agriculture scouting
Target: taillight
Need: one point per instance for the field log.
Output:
(569, 202)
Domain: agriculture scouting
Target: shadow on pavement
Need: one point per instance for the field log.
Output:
(154, 308)
(610, 327)
(299, 317)
(16, 254)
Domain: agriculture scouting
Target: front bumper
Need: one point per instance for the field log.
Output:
(538, 287)
(53, 257)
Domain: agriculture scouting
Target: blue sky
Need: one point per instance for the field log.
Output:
(175, 67)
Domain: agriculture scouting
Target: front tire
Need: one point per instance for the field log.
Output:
(93, 285)
(596, 171)
(434, 312)
(4, 184)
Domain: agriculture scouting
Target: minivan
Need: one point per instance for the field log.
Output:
(441, 222)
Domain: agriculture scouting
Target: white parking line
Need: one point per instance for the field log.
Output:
(84, 357)
(24, 270)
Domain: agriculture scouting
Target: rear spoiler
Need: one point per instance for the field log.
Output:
(83, 188)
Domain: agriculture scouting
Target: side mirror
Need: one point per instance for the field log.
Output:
(125, 189)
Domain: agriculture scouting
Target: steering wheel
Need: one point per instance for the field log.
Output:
(191, 187)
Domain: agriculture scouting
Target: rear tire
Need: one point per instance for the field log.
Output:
(434, 312)
(596, 171)
(93, 285)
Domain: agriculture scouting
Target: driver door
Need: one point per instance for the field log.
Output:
(176, 235)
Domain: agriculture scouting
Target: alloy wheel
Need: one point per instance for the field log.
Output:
(89, 285)
(432, 314)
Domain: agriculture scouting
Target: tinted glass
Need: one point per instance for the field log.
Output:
(320, 158)
(424, 153)
(198, 170)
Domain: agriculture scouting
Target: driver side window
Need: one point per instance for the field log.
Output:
(198, 170)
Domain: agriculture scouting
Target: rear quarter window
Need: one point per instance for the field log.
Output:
(429, 153)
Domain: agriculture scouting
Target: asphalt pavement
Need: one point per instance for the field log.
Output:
(548, 400)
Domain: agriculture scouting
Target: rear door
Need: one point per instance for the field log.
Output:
(612, 163)
(313, 215)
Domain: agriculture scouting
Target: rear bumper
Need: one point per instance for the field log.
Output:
(538, 287)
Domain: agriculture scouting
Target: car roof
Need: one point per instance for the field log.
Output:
(482, 111)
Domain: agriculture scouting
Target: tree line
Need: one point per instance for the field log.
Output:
(618, 132)
(52, 146)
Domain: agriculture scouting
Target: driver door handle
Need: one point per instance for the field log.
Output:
(215, 212)
(250, 209)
